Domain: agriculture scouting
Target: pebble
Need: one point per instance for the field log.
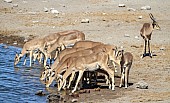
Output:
(25, 2)
(8, 1)
(84, 91)
(85, 21)
(121, 5)
(14, 5)
(162, 48)
(53, 11)
(140, 17)
(54, 98)
(145, 8)
(25, 40)
(40, 93)
(75, 95)
(97, 89)
(142, 85)
(126, 35)
(131, 9)
(136, 37)
(36, 21)
(15, 43)
(45, 9)
(32, 13)
(74, 100)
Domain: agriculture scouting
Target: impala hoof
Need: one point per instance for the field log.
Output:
(150, 55)
(143, 55)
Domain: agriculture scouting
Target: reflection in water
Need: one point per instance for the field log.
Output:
(18, 84)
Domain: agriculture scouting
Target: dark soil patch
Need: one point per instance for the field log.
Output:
(12, 40)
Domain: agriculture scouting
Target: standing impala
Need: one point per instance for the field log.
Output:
(125, 60)
(146, 33)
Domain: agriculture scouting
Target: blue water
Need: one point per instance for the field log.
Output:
(18, 84)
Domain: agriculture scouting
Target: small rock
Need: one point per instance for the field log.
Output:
(40, 93)
(5, 46)
(103, 13)
(15, 43)
(53, 11)
(121, 5)
(136, 37)
(84, 91)
(25, 40)
(145, 8)
(54, 98)
(25, 2)
(97, 89)
(85, 21)
(126, 35)
(20, 11)
(134, 46)
(142, 85)
(44, 1)
(32, 13)
(75, 95)
(121, 47)
(14, 5)
(139, 17)
(162, 48)
(74, 100)
(35, 21)
(45, 9)
(8, 1)
(131, 9)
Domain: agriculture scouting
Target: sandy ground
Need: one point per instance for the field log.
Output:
(108, 23)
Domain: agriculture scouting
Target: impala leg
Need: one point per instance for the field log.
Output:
(111, 74)
(115, 66)
(112, 77)
(144, 48)
(25, 59)
(45, 59)
(79, 77)
(31, 52)
(40, 57)
(122, 78)
(126, 77)
(71, 79)
(107, 79)
(66, 74)
(149, 49)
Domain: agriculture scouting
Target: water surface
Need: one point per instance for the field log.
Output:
(20, 83)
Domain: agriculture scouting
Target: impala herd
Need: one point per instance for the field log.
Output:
(72, 55)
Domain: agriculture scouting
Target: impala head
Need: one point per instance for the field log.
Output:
(17, 59)
(155, 23)
(118, 56)
(111, 49)
(45, 73)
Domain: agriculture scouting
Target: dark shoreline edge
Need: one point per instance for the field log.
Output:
(12, 40)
